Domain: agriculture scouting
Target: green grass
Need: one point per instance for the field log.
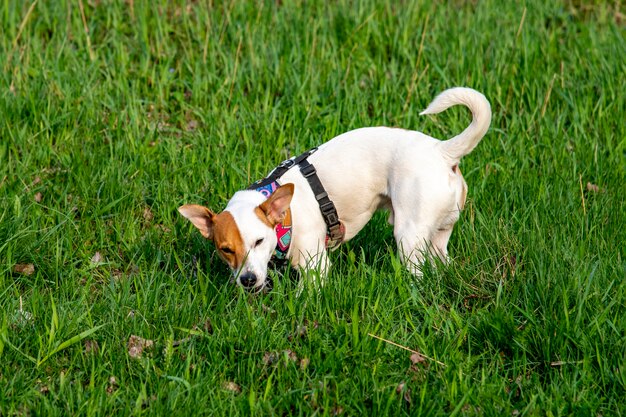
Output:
(105, 132)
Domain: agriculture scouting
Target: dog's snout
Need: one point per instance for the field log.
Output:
(247, 280)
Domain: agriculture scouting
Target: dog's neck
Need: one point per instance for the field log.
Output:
(282, 229)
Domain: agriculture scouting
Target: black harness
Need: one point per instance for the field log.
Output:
(335, 230)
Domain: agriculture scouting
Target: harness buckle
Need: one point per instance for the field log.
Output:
(329, 212)
(287, 163)
(335, 235)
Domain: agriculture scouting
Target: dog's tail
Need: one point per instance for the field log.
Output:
(462, 144)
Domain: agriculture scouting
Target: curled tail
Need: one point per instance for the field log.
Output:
(466, 141)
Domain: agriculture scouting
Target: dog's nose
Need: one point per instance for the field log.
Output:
(247, 280)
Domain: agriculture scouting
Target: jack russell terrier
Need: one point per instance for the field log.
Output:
(297, 214)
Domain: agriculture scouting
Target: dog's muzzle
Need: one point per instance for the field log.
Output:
(247, 280)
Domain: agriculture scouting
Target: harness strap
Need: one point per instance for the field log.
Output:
(280, 170)
(327, 207)
(267, 185)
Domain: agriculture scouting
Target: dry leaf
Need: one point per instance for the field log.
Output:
(304, 363)
(91, 346)
(162, 125)
(112, 385)
(406, 393)
(136, 346)
(163, 228)
(300, 332)
(290, 354)
(400, 387)
(268, 310)
(592, 188)
(24, 269)
(38, 197)
(146, 402)
(466, 300)
(337, 410)
(147, 214)
(417, 358)
(269, 358)
(208, 327)
(232, 387)
(192, 125)
(97, 258)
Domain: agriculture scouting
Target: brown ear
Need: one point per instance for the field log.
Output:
(277, 204)
(201, 217)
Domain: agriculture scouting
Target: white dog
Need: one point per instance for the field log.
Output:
(414, 176)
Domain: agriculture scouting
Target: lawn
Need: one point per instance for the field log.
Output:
(112, 114)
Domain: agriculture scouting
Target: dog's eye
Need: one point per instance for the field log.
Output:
(227, 250)
(258, 242)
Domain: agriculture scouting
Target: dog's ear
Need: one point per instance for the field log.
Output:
(277, 204)
(201, 217)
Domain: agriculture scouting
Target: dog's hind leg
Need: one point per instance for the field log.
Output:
(416, 216)
(413, 245)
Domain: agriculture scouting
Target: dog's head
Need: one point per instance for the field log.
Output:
(244, 233)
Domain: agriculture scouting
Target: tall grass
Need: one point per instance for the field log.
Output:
(112, 114)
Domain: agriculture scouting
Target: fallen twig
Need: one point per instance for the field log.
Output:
(582, 193)
(406, 348)
(561, 363)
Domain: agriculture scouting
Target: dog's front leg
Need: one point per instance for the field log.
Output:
(440, 244)
(313, 263)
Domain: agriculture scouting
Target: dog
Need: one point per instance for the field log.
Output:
(414, 176)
